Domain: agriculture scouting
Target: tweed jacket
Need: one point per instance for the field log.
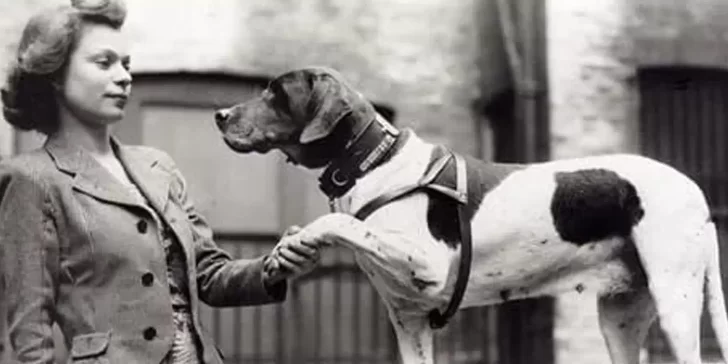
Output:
(77, 249)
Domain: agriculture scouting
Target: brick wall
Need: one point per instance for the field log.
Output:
(594, 50)
(690, 33)
(588, 88)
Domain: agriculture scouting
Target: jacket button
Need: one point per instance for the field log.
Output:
(147, 279)
(150, 333)
(142, 226)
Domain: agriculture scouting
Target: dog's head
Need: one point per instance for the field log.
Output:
(299, 113)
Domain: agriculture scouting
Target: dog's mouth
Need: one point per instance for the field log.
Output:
(245, 147)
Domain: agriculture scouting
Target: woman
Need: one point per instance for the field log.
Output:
(99, 237)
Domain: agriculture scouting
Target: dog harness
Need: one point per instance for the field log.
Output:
(375, 144)
(431, 182)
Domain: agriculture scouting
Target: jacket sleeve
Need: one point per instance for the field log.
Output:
(221, 280)
(29, 257)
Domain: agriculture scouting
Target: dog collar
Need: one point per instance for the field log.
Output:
(368, 149)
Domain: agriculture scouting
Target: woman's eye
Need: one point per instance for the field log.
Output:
(103, 63)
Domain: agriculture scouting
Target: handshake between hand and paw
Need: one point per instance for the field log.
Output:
(293, 256)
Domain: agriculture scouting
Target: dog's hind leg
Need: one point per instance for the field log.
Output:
(415, 338)
(714, 291)
(624, 320)
(679, 307)
(673, 256)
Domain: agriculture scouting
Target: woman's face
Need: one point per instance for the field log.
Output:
(97, 82)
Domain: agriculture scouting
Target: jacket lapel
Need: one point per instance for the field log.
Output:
(146, 172)
(90, 177)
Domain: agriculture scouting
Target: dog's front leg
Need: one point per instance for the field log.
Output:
(339, 228)
(414, 338)
(406, 256)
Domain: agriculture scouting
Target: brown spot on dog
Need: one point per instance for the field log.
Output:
(590, 205)
(580, 287)
(494, 274)
(544, 241)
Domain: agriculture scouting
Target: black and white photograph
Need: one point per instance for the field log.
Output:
(363, 181)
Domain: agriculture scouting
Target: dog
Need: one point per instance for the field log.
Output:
(633, 230)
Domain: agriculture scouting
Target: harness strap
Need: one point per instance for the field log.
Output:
(403, 191)
(460, 195)
(439, 320)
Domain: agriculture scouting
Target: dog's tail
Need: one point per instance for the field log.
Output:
(714, 291)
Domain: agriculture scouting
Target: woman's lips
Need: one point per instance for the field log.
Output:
(120, 99)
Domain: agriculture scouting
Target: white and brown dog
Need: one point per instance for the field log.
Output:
(635, 231)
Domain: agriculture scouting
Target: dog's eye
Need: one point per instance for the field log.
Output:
(280, 97)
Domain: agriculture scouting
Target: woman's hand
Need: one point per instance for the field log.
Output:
(292, 257)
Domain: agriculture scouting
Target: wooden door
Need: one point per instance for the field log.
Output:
(684, 122)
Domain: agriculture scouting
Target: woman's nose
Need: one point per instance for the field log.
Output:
(123, 77)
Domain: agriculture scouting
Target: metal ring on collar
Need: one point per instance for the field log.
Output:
(338, 182)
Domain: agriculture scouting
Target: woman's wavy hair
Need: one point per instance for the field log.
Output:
(49, 37)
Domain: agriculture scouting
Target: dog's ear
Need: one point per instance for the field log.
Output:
(319, 98)
(329, 102)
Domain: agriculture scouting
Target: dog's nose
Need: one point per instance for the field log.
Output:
(220, 117)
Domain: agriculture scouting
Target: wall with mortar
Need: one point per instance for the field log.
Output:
(594, 51)
(588, 86)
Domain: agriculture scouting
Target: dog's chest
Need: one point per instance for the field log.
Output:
(482, 177)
